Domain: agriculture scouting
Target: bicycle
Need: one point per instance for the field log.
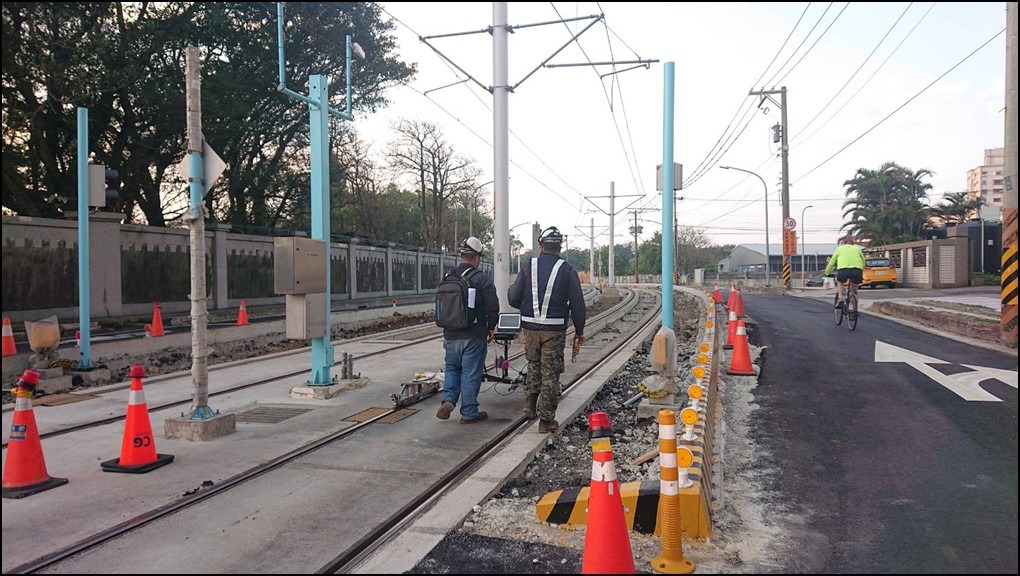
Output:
(847, 305)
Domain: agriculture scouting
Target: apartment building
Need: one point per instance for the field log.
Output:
(986, 181)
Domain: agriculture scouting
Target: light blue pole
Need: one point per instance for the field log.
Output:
(84, 302)
(322, 349)
(667, 199)
(319, 112)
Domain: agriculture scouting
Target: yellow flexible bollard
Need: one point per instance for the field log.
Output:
(671, 560)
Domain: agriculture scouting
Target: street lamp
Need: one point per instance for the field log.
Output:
(768, 255)
(509, 234)
(803, 239)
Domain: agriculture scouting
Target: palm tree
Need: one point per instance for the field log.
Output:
(956, 207)
(888, 205)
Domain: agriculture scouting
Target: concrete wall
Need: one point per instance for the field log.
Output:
(131, 267)
(930, 264)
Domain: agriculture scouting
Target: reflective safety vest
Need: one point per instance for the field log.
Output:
(541, 308)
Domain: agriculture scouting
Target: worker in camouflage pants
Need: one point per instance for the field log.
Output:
(544, 350)
(548, 294)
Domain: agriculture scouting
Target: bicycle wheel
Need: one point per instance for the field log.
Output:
(838, 310)
(851, 312)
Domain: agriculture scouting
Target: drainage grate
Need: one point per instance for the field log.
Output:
(370, 413)
(60, 399)
(270, 414)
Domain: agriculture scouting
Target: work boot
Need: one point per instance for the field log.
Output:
(531, 406)
(482, 415)
(445, 409)
(548, 426)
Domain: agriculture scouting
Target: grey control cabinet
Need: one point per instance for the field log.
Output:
(299, 265)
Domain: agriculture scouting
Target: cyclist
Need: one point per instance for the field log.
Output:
(848, 260)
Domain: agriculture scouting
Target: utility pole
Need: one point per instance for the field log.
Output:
(500, 90)
(612, 225)
(1008, 275)
(785, 153)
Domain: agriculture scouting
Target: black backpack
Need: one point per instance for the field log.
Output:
(452, 310)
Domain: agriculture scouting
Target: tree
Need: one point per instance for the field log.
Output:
(956, 207)
(888, 205)
(124, 62)
(421, 154)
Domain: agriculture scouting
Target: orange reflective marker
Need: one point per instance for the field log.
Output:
(689, 416)
(699, 372)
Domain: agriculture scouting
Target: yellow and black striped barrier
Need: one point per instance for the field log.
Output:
(1009, 276)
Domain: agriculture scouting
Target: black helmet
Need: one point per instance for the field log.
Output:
(550, 235)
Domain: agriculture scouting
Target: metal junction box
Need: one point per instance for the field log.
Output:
(299, 265)
(306, 316)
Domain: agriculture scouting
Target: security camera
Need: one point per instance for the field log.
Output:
(358, 50)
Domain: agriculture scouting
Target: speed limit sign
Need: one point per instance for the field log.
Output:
(789, 224)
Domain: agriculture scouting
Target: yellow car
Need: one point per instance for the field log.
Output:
(878, 271)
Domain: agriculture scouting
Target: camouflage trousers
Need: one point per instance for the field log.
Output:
(544, 350)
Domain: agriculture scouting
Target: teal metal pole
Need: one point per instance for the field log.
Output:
(667, 199)
(322, 349)
(84, 302)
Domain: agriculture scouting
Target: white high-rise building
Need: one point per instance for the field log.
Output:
(985, 181)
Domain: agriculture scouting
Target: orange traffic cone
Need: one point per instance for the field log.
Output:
(731, 331)
(25, 469)
(242, 315)
(606, 540)
(10, 348)
(740, 360)
(738, 304)
(156, 328)
(138, 450)
(716, 294)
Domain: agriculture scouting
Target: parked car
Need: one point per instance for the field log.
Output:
(878, 272)
(816, 281)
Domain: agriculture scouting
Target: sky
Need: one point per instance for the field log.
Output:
(919, 84)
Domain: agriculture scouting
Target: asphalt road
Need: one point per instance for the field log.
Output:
(898, 446)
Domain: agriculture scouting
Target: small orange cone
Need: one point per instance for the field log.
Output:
(731, 331)
(606, 540)
(25, 468)
(716, 294)
(138, 449)
(242, 315)
(740, 360)
(10, 348)
(156, 328)
(738, 304)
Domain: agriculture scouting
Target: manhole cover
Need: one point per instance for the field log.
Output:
(270, 414)
(60, 399)
(396, 416)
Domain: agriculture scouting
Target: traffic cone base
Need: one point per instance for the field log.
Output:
(115, 466)
(22, 491)
(25, 468)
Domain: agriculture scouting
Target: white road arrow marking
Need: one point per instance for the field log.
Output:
(966, 385)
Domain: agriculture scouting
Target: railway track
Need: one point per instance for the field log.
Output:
(367, 541)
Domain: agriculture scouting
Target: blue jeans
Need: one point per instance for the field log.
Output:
(465, 364)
